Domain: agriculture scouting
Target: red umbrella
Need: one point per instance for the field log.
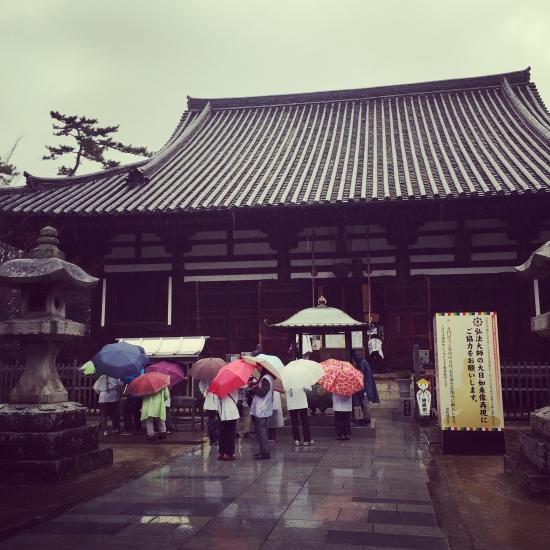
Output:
(231, 376)
(341, 377)
(148, 384)
(173, 370)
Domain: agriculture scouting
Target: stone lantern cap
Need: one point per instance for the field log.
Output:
(46, 265)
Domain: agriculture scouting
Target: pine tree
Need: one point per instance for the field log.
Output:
(8, 172)
(92, 142)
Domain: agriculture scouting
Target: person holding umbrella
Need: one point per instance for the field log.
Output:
(342, 405)
(205, 370)
(262, 409)
(228, 415)
(131, 410)
(153, 386)
(297, 376)
(363, 398)
(109, 397)
(343, 380)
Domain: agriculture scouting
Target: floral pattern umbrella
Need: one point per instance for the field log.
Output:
(341, 377)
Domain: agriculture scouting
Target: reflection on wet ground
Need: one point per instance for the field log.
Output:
(363, 493)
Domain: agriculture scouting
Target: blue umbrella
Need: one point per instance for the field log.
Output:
(119, 360)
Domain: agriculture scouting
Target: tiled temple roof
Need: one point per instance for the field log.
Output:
(482, 136)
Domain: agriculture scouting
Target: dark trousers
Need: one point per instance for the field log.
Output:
(212, 425)
(342, 422)
(109, 410)
(303, 416)
(226, 438)
(261, 433)
(131, 414)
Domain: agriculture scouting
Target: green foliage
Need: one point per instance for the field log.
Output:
(92, 142)
(8, 172)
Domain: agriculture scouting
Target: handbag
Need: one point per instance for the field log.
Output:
(358, 413)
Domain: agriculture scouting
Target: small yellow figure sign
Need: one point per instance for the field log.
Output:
(423, 397)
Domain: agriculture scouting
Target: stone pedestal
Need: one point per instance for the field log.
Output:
(531, 467)
(46, 443)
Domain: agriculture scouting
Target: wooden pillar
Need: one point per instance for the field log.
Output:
(282, 234)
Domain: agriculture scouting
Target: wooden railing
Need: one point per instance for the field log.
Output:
(186, 400)
(78, 386)
(525, 388)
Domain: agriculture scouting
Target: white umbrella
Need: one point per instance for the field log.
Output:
(271, 363)
(301, 373)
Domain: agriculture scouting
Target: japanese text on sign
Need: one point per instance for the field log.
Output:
(468, 371)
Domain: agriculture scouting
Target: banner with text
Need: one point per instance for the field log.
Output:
(469, 389)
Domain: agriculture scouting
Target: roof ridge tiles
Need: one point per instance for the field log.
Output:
(32, 181)
(516, 77)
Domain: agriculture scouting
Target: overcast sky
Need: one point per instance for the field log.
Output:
(134, 62)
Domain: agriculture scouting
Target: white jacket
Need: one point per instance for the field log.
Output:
(227, 408)
(262, 407)
(211, 400)
(276, 420)
(296, 399)
(107, 388)
(341, 403)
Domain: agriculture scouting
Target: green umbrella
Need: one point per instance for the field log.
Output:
(87, 368)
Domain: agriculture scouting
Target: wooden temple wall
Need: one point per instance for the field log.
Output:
(228, 282)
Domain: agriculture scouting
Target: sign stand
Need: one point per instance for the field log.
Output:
(469, 391)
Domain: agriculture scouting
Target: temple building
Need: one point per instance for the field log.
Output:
(392, 202)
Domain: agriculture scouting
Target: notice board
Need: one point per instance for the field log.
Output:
(468, 372)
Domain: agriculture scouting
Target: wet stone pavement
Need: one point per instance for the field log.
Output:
(336, 495)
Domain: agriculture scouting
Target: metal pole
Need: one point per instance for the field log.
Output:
(313, 267)
(537, 298)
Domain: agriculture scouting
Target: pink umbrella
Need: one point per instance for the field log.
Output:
(173, 370)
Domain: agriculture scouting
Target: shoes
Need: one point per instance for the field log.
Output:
(105, 432)
(346, 438)
(297, 443)
(167, 432)
(226, 458)
(151, 438)
(162, 435)
(126, 433)
(220, 456)
(246, 435)
(116, 432)
(308, 443)
(340, 438)
(262, 457)
(272, 441)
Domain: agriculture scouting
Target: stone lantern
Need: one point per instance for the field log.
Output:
(44, 437)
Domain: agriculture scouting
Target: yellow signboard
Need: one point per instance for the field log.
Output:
(469, 391)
